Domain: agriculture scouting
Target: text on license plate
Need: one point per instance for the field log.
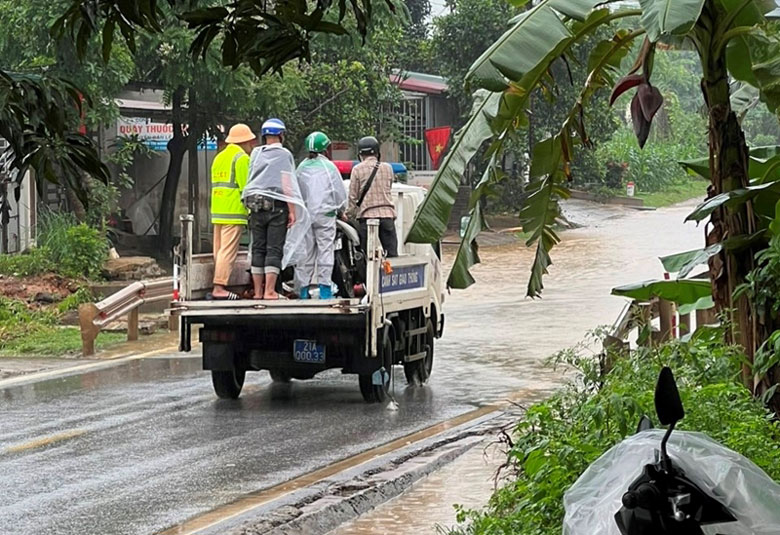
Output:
(308, 351)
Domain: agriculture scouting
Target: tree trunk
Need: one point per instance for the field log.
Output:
(177, 146)
(193, 198)
(75, 205)
(729, 171)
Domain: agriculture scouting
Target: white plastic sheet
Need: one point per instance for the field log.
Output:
(748, 493)
(321, 186)
(272, 175)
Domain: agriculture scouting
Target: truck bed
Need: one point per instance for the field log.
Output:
(252, 307)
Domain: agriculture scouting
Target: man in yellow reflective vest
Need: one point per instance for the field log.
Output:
(229, 175)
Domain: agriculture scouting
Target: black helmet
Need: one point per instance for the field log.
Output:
(368, 145)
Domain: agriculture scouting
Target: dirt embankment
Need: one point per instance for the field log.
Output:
(41, 289)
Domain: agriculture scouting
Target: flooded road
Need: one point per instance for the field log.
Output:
(497, 336)
(138, 447)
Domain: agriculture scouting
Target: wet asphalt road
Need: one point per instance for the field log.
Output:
(139, 447)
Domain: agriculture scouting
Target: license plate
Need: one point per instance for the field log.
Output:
(338, 244)
(308, 351)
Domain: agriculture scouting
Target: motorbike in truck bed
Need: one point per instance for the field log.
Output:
(394, 322)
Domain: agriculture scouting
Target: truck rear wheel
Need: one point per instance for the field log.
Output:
(228, 383)
(378, 393)
(418, 371)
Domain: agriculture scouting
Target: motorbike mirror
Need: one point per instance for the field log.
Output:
(644, 424)
(668, 405)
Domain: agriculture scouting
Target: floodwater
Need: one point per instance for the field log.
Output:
(429, 505)
(141, 446)
(495, 324)
(498, 337)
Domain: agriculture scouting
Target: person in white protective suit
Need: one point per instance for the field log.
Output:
(278, 220)
(325, 196)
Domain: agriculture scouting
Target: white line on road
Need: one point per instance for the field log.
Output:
(81, 368)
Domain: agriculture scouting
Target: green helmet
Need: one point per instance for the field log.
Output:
(317, 142)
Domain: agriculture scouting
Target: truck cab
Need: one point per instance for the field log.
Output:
(392, 322)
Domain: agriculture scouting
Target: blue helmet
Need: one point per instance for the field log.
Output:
(272, 127)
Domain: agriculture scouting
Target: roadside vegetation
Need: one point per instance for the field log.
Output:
(42, 285)
(686, 189)
(28, 329)
(557, 439)
(65, 247)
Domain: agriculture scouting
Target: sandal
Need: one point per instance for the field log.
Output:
(231, 296)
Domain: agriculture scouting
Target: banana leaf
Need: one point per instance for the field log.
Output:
(684, 263)
(669, 17)
(705, 303)
(468, 252)
(744, 99)
(430, 224)
(730, 199)
(761, 161)
(536, 36)
(681, 292)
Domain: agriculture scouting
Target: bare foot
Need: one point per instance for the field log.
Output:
(271, 296)
(219, 291)
(257, 296)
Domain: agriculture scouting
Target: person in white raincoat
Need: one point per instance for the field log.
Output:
(325, 196)
(278, 220)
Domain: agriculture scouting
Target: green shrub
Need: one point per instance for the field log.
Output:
(64, 247)
(76, 250)
(35, 261)
(557, 439)
(653, 168)
(72, 302)
(83, 253)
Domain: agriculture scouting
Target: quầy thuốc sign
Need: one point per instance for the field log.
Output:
(155, 135)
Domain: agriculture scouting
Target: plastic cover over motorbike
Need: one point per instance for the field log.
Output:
(749, 494)
(272, 175)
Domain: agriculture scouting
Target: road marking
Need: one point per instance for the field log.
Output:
(45, 441)
(256, 499)
(81, 368)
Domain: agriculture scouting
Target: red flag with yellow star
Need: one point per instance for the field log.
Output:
(437, 140)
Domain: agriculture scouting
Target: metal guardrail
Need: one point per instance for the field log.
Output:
(94, 316)
(636, 314)
(671, 323)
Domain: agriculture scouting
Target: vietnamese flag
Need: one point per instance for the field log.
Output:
(437, 140)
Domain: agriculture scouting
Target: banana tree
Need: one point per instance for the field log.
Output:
(733, 41)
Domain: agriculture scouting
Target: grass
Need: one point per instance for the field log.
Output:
(557, 439)
(50, 341)
(689, 188)
(28, 331)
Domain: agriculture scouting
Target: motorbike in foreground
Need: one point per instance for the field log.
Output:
(691, 485)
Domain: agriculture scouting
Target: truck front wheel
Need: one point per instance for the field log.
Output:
(228, 383)
(377, 393)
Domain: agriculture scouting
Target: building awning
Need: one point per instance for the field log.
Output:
(150, 109)
(145, 105)
(428, 84)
